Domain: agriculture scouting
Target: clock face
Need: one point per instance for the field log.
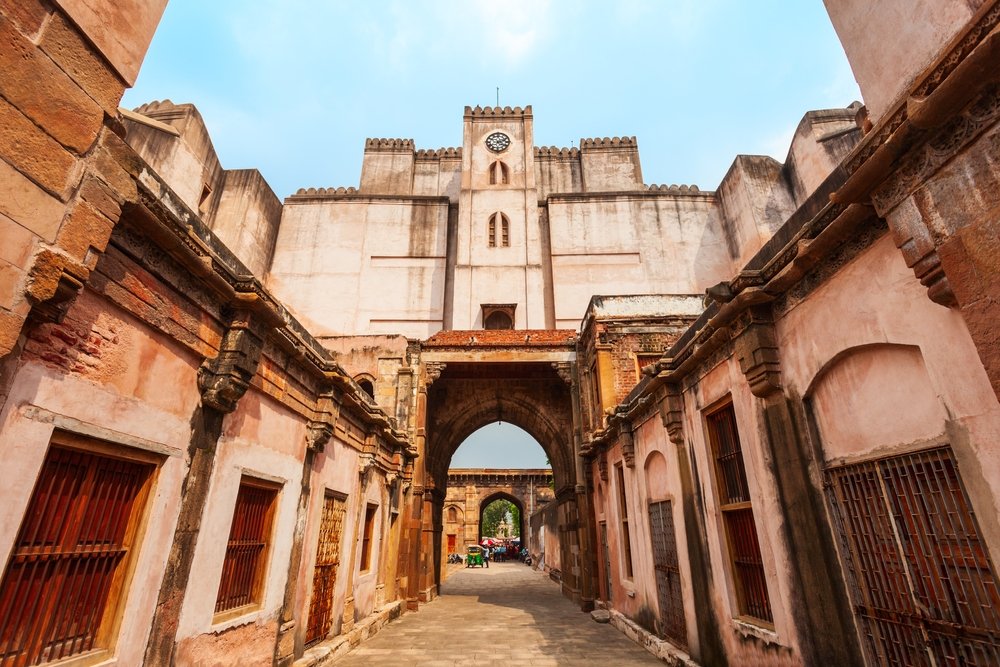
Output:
(497, 142)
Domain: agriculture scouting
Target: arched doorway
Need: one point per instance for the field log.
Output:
(475, 384)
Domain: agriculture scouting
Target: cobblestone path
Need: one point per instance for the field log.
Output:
(506, 615)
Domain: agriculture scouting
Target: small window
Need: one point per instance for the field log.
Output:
(623, 513)
(499, 173)
(498, 315)
(498, 231)
(366, 543)
(244, 567)
(66, 576)
(367, 386)
(452, 515)
(737, 514)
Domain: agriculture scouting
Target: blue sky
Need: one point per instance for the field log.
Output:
(293, 87)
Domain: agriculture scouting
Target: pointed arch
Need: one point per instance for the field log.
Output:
(498, 231)
(499, 173)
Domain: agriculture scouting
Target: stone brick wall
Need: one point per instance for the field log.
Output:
(61, 183)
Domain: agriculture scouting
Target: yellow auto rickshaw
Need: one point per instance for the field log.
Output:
(474, 556)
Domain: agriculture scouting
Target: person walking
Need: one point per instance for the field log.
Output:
(486, 557)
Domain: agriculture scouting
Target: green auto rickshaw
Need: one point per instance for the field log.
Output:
(474, 556)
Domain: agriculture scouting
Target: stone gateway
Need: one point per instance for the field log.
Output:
(227, 421)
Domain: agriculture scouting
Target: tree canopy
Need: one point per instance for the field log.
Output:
(498, 511)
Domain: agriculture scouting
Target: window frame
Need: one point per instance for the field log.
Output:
(623, 521)
(107, 628)
(368, 537)
(259, 585)
(727, 509)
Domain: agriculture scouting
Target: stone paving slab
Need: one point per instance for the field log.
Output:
(508, 614)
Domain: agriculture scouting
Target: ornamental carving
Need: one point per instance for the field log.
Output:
(224, 379)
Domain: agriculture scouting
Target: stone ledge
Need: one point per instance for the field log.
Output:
(662, 649)
(327, 652)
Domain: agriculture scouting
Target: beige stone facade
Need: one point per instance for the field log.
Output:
(770, 408)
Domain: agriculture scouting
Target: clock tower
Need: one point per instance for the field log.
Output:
(499, 279)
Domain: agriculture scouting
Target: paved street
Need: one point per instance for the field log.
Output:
(508, 614)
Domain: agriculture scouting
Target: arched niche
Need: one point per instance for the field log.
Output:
(655, 470)
(874, 396)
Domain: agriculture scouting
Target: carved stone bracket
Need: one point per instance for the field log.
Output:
(565, 371)
(54, 283)
(628, 445)
(602, 466)
(672, 413)
(432, 371)
(755, 346)
(321, 428)
(224, 379)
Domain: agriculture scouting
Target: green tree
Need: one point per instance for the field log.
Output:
(498, 511)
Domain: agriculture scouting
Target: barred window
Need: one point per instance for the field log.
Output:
(498, 231)
(65, 581)
(737, 514)
(249, 541)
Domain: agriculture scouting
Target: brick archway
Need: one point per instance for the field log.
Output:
(502, 495)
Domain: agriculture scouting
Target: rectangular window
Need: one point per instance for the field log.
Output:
(919, 573)
(66, 576)
(737, 515)
(325, 569)
(366, 543)
(623, 513)
(246, 552)
(643, 359)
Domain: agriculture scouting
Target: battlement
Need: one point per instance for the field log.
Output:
(388, 145)
(319, 192)
(676, 189)
(609, 142)
(165, 110)
(556, 151)
(439, 153)
(479, 111)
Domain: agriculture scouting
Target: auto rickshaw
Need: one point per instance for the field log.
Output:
(474, 556)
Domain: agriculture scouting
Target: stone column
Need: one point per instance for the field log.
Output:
(222, 381)
(820, 605)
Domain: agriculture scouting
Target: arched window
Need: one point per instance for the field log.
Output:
(452, 515)
(499, 231)
(499, 173)
(498, 320)
(366, 384)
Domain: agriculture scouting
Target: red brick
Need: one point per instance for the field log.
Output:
(34, 153)
(503, 338)
(27, 15)
(46, 94)
(83, 229)
(74, 54)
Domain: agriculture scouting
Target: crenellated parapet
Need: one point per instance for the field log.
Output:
(478, 111)
(556, 152)
(320, 192)
(440, 153)
(388, 145)
(609, 142)
(674, 189)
